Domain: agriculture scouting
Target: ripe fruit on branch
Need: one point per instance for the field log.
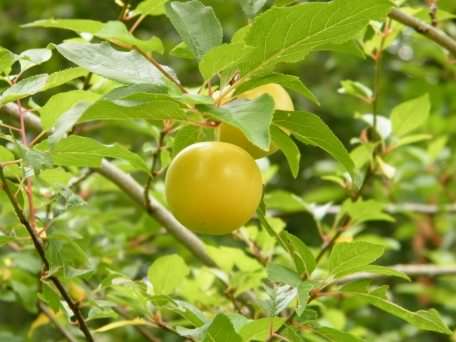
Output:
(234, 136)
(213, 187)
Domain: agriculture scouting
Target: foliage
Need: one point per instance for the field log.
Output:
(364, 178)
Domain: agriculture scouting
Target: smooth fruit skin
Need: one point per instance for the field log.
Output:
(234, 136)
(213, 187)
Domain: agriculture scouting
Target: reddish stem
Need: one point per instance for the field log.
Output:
(29, 184)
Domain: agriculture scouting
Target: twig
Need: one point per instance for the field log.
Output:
(154, 62)
(87, 79)
(10, 162)
(49, 314)
(10, 127)
(40, 249)
(410, 270)
(29, 184)
(84, 176)
(137, 23)
(142, 330)
(154, 166)
(392, 208)
(254, 249)
(330, 243)
(38, 138)
(434, 34)
(123, 16)
(433, 8)
(345, 220)
(159, 322)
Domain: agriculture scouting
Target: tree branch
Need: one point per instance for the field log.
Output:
(410, 270)
(49, 314)
(434, 34)
(392, 208)
(141, 329)
(136, 192)
(40, 249)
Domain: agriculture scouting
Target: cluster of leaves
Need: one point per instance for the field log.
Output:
(268, 284)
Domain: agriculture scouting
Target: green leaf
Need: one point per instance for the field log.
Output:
(310, 129)
(375, 269)
(67, 121)
(252, 7)
(281, 274)
(101, 59)
(240, 35)
(436, 147)
(113, 31)
(290, 82)
(197, 25)
(364, 211)
(150, 7)
(60, 103)
(38, 83)
(77, 25)
(253, 118)
(362, 154)
(190, 312)
(33, 57)
(286, 144)
(4, 239)
(279, 299)
(412, 139)
(352, 47)
(64, 76)
(221, 58)
(35, 160)
(123, 323)
(293, 32)
(117, 32)
(56, 177)
(284, 201)
(167, 273)
(346, 256)
(221, 330)
(65, 254)
(5, 154)
(334, 335)
(260, 329)
(85, 152)
(303, 257)
(292, 333)
(181, 50)
(423, 319)
(356, 89)
(7, 59)
(410, 115)
(370, 45)
(148, 106)
(303, 296)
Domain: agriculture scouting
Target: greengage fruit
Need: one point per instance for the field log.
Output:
(213, 187)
